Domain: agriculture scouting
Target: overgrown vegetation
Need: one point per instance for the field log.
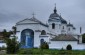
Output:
(44, 45)
(51, 52)
(12, 44)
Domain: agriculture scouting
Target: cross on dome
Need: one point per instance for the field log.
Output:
(55, 8)
(33, 14)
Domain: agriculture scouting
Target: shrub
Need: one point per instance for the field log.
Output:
(12, 46)
(44, 45)
(69, 47)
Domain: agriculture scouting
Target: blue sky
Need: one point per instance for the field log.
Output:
(12, 11)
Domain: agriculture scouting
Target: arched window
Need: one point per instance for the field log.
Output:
(69, 47)
(69, 29)
(43, 32)
(53, 25)
(42, 41)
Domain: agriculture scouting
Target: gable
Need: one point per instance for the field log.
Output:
(31, 21)
(26, 21)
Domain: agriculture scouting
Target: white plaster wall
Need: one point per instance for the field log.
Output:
(57, 30)
(33, 27)
(80, 39)
(63, 44)
(18, 35)
(71, 31)
(64, 31)
(45, 38)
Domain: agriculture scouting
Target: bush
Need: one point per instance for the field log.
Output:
(44, 45)
(69, 47)
(12, 46)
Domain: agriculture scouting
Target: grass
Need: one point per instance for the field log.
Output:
(48, 52)
(51, 52)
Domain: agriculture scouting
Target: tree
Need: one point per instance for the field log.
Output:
(14, 30)
(83, 38)
(12, 45)
(6, 34)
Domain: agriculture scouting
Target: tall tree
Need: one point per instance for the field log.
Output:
(83, 38)
(12, 45)
(14, 30)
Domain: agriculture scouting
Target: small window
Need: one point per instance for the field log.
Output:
(63, 27)
(69, 29)
(42, 41)
(53, 25)
(43, 32)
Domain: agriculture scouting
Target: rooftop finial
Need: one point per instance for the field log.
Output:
(55, 4)
(69, 21)
(33, 14)
(55, 8)
(80, 30)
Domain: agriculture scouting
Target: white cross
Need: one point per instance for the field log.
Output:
(33, 14)
(55, 4)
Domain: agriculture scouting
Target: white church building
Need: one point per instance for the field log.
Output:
(58, 33)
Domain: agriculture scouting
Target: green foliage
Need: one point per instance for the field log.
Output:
(14, 30)
(25, 51)
(50, 52)
(69, 47)
(6, 34)
(83, 38)
(12, 45)
(44, 45)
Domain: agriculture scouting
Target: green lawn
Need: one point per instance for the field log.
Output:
(47, 52)
(50, 52)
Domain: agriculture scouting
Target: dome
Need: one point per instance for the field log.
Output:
(54, 15)
(63, 21)
(70, 25)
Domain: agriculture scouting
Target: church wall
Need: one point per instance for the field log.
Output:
(37, 34)
(45, 37)
(70, 31)
(63, 29)
(18, 35)
(36, 39)
(80, 39)
(63, 44)
(20, 28)
(34, 27)
(55, 31)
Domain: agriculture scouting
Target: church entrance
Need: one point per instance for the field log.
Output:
(27, 38)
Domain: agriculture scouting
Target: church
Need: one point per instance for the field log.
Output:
(57, 33)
